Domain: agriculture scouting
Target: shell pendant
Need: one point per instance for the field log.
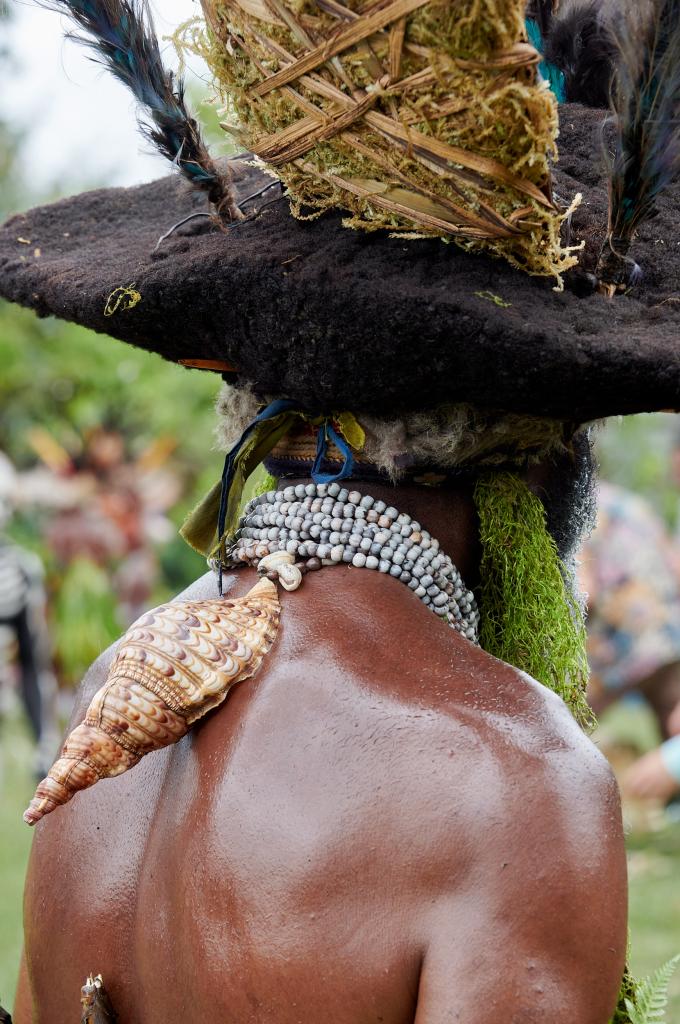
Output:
(173, 665)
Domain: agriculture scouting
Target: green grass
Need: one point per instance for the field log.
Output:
(654, 863)
(654, 866)
(16, 789)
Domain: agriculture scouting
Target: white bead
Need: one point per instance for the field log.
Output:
(359, 560)
(336, 553)
(372, 562)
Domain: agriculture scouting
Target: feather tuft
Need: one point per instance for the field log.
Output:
(581, 45)
(121, 35)
(646, 101)
(541, 11)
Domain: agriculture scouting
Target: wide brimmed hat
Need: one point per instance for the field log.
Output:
(335, 318)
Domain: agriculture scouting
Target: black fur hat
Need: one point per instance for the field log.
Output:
(340, 319)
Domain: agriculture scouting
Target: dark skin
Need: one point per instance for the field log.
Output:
(385, 825)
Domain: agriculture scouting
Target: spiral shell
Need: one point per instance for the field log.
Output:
(173, 665)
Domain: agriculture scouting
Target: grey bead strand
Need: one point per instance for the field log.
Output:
(325, 524)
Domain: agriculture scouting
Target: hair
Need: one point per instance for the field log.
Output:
(448, 436)
(568, 493)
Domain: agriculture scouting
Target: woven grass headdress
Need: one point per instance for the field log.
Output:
(419, 116)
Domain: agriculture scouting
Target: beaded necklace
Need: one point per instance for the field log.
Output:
(302, 528)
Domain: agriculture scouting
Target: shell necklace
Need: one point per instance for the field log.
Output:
(301, 528)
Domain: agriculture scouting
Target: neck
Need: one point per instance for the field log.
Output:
(448, 513)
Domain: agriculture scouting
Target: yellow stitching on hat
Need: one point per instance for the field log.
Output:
(121, 299)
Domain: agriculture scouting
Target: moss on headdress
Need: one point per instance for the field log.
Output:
(529, 617)
(413, 115)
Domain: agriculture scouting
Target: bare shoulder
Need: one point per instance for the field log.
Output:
(515, 821)
(502, 821)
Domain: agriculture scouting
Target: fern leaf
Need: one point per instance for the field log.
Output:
(651, 995)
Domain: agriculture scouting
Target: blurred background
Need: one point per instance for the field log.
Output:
(104, 448)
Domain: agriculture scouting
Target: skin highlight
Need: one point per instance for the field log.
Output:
(385, 824)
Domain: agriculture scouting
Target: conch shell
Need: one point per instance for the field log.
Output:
(173, 665)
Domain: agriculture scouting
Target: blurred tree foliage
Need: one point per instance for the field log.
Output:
(9, 139)
(68, 382)
(642, 453)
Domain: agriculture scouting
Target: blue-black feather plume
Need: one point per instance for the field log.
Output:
(121, 34)
(580, 44)
(646, 100)
(541, 12)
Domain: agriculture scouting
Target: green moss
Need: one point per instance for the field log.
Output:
(627, 993)
(529, 617)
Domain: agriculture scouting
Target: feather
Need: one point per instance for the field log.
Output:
(541, 11)
(581, 45)
(646, 101)
(548, 71)
(121, 34)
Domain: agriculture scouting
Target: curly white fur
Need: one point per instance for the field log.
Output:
(449, 436)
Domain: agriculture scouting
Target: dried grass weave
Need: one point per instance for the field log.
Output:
(418, 116)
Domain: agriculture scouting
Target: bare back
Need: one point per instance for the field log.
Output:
(385, 825)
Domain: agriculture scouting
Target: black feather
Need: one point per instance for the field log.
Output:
(646, 101)
(121, 34)
(582, 45)
(541, 11)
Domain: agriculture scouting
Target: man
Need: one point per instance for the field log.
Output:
(392, 820)
(386, 824)
(23, 626)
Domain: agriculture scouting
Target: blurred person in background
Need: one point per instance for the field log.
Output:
(104, 515)
(630, 571)
(24, 639)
